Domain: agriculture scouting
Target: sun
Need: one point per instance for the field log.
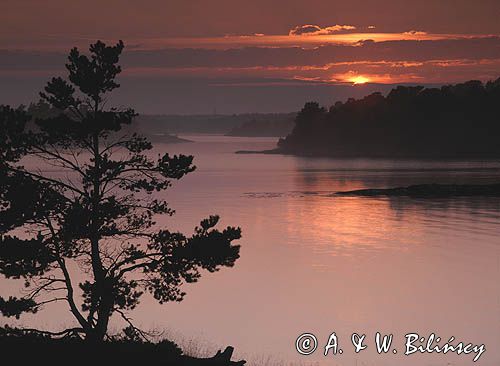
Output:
(359, 79)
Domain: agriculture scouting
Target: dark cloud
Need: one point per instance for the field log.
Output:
(472, 49)
(304, 29)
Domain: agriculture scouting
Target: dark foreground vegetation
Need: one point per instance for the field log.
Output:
(454, 121)
(31, 349)
(431, 190)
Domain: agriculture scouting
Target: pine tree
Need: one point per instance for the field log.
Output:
(96, 210)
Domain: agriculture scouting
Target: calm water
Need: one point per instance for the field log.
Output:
(316, 263)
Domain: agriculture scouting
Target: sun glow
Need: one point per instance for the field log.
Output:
(359, 79)
(352, 77)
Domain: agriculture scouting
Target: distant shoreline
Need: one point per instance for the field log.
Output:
(168, 139)
(249, 152)
(447, 157)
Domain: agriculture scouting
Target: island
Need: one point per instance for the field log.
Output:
(430, 190)
(459, 121)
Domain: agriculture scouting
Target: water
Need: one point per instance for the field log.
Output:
(316, 263)
(312, 262)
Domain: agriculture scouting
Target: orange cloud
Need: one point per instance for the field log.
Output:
(316, 36)
(316, 30)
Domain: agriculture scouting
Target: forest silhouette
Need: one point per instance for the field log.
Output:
(452, 122)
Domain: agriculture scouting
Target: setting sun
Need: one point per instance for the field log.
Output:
(359, 80)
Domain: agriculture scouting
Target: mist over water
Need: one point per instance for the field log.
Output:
(311, 262)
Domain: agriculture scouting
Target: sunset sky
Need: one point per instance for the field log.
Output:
(234, 56)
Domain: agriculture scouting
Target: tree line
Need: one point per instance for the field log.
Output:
(454, 121)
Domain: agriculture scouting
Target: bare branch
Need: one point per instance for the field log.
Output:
(47, 179)
(128, 320)
(69, 286)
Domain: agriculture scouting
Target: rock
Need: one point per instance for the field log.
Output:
(220, 359)
(430, 190)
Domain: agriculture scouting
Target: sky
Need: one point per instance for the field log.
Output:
(235, 56)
